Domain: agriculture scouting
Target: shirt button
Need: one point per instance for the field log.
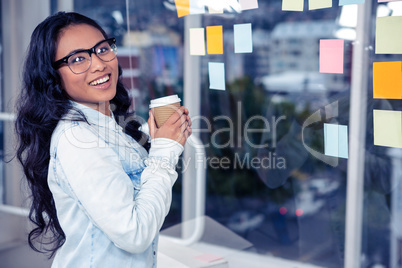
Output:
(154, 253)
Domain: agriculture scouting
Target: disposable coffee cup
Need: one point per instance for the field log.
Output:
(163, 108)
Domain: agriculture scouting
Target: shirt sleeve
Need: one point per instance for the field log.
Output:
(106, 194)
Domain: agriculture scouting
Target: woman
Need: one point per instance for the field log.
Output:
(99, 197)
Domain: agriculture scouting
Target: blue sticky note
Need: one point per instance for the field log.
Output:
(343, 141)
(331, 142)
(350, 2)
(216, 75)
(336, 140)
(243, 38)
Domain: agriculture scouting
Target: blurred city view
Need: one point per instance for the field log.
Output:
(285, 44)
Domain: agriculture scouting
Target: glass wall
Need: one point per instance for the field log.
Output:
(276, 136)
(383, 158)
(262, 181)
(275, 120)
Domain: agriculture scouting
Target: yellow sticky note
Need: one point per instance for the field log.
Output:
(387, 80)
(197, 41)
(292, 5)
(318, 4)
(387, 128)
(214, 40)
(182, 7)
(388, 39)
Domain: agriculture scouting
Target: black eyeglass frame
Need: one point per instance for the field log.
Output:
(112, 41)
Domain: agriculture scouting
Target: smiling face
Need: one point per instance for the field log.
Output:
(95, 87)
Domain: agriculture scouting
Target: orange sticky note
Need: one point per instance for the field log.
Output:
(387, 80)
(214, 40)
(183, 7)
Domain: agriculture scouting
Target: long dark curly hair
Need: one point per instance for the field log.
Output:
(41, 105)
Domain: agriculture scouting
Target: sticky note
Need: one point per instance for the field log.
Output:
(319, 4)
(350, 2)
(197, 41)
(197, 7)
(215, 8)
(248, 4)
(331, 55)
(292, 5)
(387, 80)
(208, 257)
(388, 39)
(243, 38)
(182, 7)
(216, 72)
(336, 140)
(387, 128)
(214, 40)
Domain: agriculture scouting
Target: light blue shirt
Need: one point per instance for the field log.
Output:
(111, 196)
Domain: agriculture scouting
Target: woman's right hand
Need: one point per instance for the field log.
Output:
(177, 127)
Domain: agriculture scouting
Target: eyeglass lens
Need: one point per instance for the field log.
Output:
(80, 62)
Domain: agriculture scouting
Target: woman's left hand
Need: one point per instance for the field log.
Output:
(177, 127)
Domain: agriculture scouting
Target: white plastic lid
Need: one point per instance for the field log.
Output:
(164, 101)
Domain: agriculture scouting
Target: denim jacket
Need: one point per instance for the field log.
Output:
(111, 197)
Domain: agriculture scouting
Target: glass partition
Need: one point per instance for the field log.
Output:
(274, 120)
(381, 237)
(269, 179)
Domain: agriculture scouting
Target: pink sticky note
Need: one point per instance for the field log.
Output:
(208, 257)
(331, 56)
(248, 4)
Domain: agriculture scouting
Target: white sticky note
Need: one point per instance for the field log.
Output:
(248, 4)
(243, 38)
(216, 72)
(197, 41)
(215, 7)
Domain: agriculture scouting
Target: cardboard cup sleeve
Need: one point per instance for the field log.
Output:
(162, 113)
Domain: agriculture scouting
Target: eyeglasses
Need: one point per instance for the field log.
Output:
(79, 61)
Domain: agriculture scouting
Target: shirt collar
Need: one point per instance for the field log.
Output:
(94, 117)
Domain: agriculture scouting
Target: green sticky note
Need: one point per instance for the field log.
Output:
(292, 5)
(318, 4)
(388, 39)
(387, 128)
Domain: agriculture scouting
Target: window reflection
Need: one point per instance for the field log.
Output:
(287, 202)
